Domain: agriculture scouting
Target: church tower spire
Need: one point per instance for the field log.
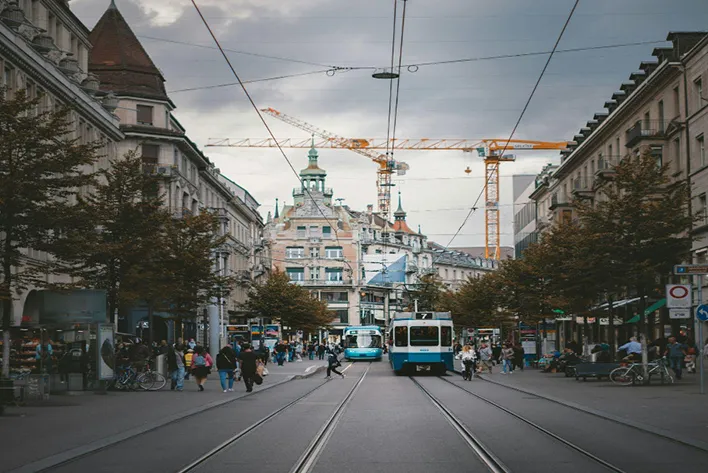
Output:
(276, 208)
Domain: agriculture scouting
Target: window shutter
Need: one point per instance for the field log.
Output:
(144, 114)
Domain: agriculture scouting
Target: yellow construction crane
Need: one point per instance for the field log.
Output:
(387, 165)
(490, 149)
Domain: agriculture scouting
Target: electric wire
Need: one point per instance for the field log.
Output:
(265, 124)
(390, 84)
(245, 53)
(516, 125)
(398, 79)
(331, 70)
(252, 81)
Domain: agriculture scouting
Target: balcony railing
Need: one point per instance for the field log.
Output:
(646, 130)
(559, 199)
(582, 189)
(323, 282)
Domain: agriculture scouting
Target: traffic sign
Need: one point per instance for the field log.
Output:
(679, 313)
(702, 313)
(678, 296)
(689, 269)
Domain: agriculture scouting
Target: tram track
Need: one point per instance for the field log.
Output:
(609, 466)
(486, 456)
(309, 458)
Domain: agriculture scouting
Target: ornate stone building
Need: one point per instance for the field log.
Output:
(191, 183)
(44, 49)
(361, 264)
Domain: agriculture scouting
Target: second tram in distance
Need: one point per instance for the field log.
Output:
(363, 343)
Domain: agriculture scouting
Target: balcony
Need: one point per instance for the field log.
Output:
(559, 200)
(582, 189)
(605, 168)
(323, 282)
(646, 130)
(543, 222)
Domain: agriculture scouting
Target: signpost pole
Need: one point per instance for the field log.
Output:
(700, 333)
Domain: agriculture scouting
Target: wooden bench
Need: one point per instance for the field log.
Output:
(594, 370)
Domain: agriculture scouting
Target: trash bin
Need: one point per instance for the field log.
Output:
(7, 391)
(161, 365)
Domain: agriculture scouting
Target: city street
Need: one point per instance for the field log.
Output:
(372, 420)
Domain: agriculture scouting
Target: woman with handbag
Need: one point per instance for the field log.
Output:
(226, 364)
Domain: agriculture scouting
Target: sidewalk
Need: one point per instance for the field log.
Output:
(676, 408)
(64, 422)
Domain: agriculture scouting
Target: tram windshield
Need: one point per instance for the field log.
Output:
(363, 340)
(424, 336)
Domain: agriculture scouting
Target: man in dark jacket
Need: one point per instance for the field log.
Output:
(281, 352)
(248, 361)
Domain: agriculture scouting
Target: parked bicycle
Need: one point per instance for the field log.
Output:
(147, 380)
(634, 373)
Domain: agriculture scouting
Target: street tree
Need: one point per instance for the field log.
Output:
(42, 168)
(186, 267)
(119, 234)
(292, 305)
(641, 217)
(476, 303)
(430, 292)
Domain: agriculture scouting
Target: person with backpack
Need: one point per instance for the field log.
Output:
(249, 367)
(333, 364)
(200, 368)
(226, 364)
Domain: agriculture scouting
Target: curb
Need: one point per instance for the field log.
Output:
(604, 415)
(75, 453)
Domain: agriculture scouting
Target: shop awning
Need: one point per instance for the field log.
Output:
(655, 306)
(615, 304)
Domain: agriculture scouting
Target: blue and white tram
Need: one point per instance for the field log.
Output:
(421, 341)
(363, 343)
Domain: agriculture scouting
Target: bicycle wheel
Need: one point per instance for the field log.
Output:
(145, 381)
(159, 381)
(624, 376)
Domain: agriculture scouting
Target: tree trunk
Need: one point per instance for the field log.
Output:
(644, 331)
(611, 328)
(151, 328)
(7, 317)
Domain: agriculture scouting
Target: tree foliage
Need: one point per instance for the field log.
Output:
(42, 167)
(292, 305)
(430, 292)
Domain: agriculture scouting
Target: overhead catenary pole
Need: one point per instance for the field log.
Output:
(699, 323)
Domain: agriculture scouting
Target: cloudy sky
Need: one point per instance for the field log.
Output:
(471, 100)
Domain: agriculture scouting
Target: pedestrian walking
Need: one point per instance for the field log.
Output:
(298, 351)
(175, 363)
(291, 351)
(226, 364)
(320, 351)
(485, 356)
(188, 359)
(248, 361)
(507, 356)
(469, 361)
(676, 352)
(519, 356)
(199, 367)
(281, 352)
(333, 364)
(311, 351)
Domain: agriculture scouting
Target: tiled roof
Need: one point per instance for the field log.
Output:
(120, 61)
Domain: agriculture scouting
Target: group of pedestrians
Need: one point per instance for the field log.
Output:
(192, 359)
(295, 351)
(509, 355)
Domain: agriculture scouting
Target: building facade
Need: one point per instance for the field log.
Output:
(361, 264)
(662, 108)
(190, 182)
(524, 213)
(44, 50)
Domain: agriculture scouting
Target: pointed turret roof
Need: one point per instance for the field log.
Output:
(120, 61)
(276, 209)
(400, 224)
(313, 167)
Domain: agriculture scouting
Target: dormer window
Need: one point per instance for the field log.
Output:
(145, 115)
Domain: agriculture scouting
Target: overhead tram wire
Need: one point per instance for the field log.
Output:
(265, 124)
(518, 122)
(332, 70)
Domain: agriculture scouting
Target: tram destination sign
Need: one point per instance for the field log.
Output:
(691, 269)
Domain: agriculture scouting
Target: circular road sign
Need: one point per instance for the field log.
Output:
(678, 292)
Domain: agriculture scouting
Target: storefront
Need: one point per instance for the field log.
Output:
(57, 337)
